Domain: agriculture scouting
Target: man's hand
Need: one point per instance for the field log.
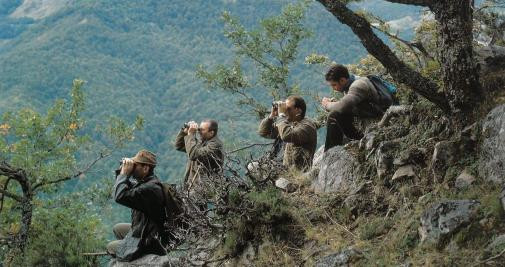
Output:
(274, 113)
(326, 101)
(282, 107)
(193, 127)
(127, 167)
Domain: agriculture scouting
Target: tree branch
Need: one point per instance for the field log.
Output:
(79, 173)
(6, 193)
(400, 71)
(248, 146)
(413, 2)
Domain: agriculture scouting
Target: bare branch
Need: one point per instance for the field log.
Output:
(79, 173)
(6, 193)
(248, 146)
(413, 2)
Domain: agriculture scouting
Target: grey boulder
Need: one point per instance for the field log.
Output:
(440, 221)
(492, 156)
(337, 171)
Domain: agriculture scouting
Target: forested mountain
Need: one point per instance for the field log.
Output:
(139, 57)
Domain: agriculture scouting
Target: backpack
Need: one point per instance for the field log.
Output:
(174, 210)
(386, 91)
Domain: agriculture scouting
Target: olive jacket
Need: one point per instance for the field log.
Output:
(205, 159)
(300, 138)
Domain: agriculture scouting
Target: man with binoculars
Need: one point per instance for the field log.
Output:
(144, 195)
(205, 156)
(287, 121)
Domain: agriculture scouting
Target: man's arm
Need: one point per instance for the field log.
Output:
(179, 141)
(290, 133)
(357, 93)
(267, 128)
(200, 151)
(139, 198)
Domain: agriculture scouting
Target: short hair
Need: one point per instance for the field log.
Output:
(299, 103)
(213, 126)
(336, 72)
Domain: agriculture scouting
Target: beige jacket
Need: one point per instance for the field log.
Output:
(358, 99)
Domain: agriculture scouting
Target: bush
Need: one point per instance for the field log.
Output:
(60, 234)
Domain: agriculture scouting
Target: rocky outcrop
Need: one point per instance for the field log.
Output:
(440, 221)
(337, 171)
(342, 258)
(149, 260)
(492, 152)
(465, 179)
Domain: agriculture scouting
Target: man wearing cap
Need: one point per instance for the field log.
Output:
(144, 195)
(205, 156)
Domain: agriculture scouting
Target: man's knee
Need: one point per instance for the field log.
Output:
(112, 247)
(121, 229)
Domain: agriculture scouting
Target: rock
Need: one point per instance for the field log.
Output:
(404, 172)
(384, 157)
(337, 171)
(318, 157)
(368, 142)
(440, 221)
(285, 185)
(464, 180)
(342, 258)
(492, 156)
(264, 169)
(444, 154)
(490, 58)
(149, 260)
(392, 111)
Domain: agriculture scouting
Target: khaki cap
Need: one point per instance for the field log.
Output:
(145, 157)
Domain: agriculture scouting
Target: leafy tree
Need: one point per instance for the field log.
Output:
(461, 90)
(39, 152)
(271, 48)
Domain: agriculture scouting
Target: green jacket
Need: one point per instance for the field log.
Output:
(205, 159)
(360, 98)
(300, 138)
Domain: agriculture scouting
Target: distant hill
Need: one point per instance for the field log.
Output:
(139, 57)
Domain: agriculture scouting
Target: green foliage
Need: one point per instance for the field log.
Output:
(48, 150)
(271, 49)
(61, 232)
(263, 214)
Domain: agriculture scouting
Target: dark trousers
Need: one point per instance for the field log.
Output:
(337, 125)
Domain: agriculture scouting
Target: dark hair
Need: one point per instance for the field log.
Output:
(299, 103)
(213, 126)
(336, 72)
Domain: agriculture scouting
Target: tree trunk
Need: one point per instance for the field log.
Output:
(400, 71)
(460, 75)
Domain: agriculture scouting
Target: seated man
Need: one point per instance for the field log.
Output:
(360, 99)
(205, 156)
(144, 195)
(288, 122)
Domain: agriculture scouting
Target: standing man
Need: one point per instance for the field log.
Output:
(287, 121)
(205, 156)
(144, 195)
(360, 99)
